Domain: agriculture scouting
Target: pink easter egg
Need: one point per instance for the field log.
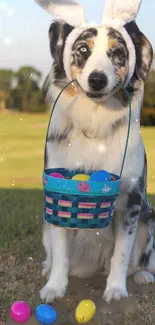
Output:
(20, 312)
(45, 180)
(56, 175)
(83, 187)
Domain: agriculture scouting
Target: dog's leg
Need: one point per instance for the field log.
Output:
(47, 264)
(151, 262)
(124, 238)
(58, 279)
(147, 260)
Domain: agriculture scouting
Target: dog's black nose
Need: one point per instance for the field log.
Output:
(98, 80)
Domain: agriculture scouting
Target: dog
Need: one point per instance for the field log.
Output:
(88, 131)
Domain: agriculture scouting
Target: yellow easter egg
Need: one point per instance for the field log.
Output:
(81, 177)
(85, 311)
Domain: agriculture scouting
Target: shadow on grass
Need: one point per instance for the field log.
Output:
(21, 251)
(21, 213)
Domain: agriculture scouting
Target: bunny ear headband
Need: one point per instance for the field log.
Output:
(117, 14)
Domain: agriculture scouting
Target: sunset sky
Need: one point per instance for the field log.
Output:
(24, 30)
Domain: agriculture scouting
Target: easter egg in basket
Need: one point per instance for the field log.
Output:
(56, 175)
(100, 176)
(81, 177)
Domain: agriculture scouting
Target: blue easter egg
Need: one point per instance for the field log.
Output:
(45, 314)
(100, 176)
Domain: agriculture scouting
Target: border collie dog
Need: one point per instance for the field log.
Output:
(88, 131)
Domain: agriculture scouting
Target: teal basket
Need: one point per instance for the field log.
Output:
(76, 204)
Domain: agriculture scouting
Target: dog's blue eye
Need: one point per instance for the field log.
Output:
(83, 49)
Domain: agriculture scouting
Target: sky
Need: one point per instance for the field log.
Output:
(24, 30)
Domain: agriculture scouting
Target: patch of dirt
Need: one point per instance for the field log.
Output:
(138, 309)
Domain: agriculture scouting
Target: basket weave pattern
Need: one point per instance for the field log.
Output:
(82, 211)
(74, 211)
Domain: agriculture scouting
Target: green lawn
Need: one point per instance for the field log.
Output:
(148, 135)
(22, 139)
(21, 204)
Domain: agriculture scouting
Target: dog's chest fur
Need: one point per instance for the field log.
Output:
(92, 136)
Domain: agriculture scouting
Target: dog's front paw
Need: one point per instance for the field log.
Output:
(115, 293)
(144, 277)
(51, 292)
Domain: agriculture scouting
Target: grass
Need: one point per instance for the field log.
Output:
(148, 138)
(21, 206)
(22, 140)
(20, 247)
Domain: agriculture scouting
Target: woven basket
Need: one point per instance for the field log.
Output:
(77, 204)
(80, 205)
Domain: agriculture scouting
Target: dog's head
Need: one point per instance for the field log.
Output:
(99, 61)
(101, 57)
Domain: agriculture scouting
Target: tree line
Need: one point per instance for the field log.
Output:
(21, 91)
(148, 110)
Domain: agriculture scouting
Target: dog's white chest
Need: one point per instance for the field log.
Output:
(81, 152)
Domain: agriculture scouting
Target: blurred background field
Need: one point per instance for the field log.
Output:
(22, 139)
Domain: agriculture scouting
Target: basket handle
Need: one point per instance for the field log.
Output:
(129, 120)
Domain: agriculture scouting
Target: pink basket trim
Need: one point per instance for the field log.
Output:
(105, 205)
(64, 214)
(85, 215)
(103, 215)
(87, 205)
(49, 199)
(64, 203)
(49, 211)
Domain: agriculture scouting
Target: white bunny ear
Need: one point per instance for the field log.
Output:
(120, 12)
(68, 10)
(117, 14)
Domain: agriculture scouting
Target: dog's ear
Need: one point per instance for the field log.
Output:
(58, 33)
(144, 51)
